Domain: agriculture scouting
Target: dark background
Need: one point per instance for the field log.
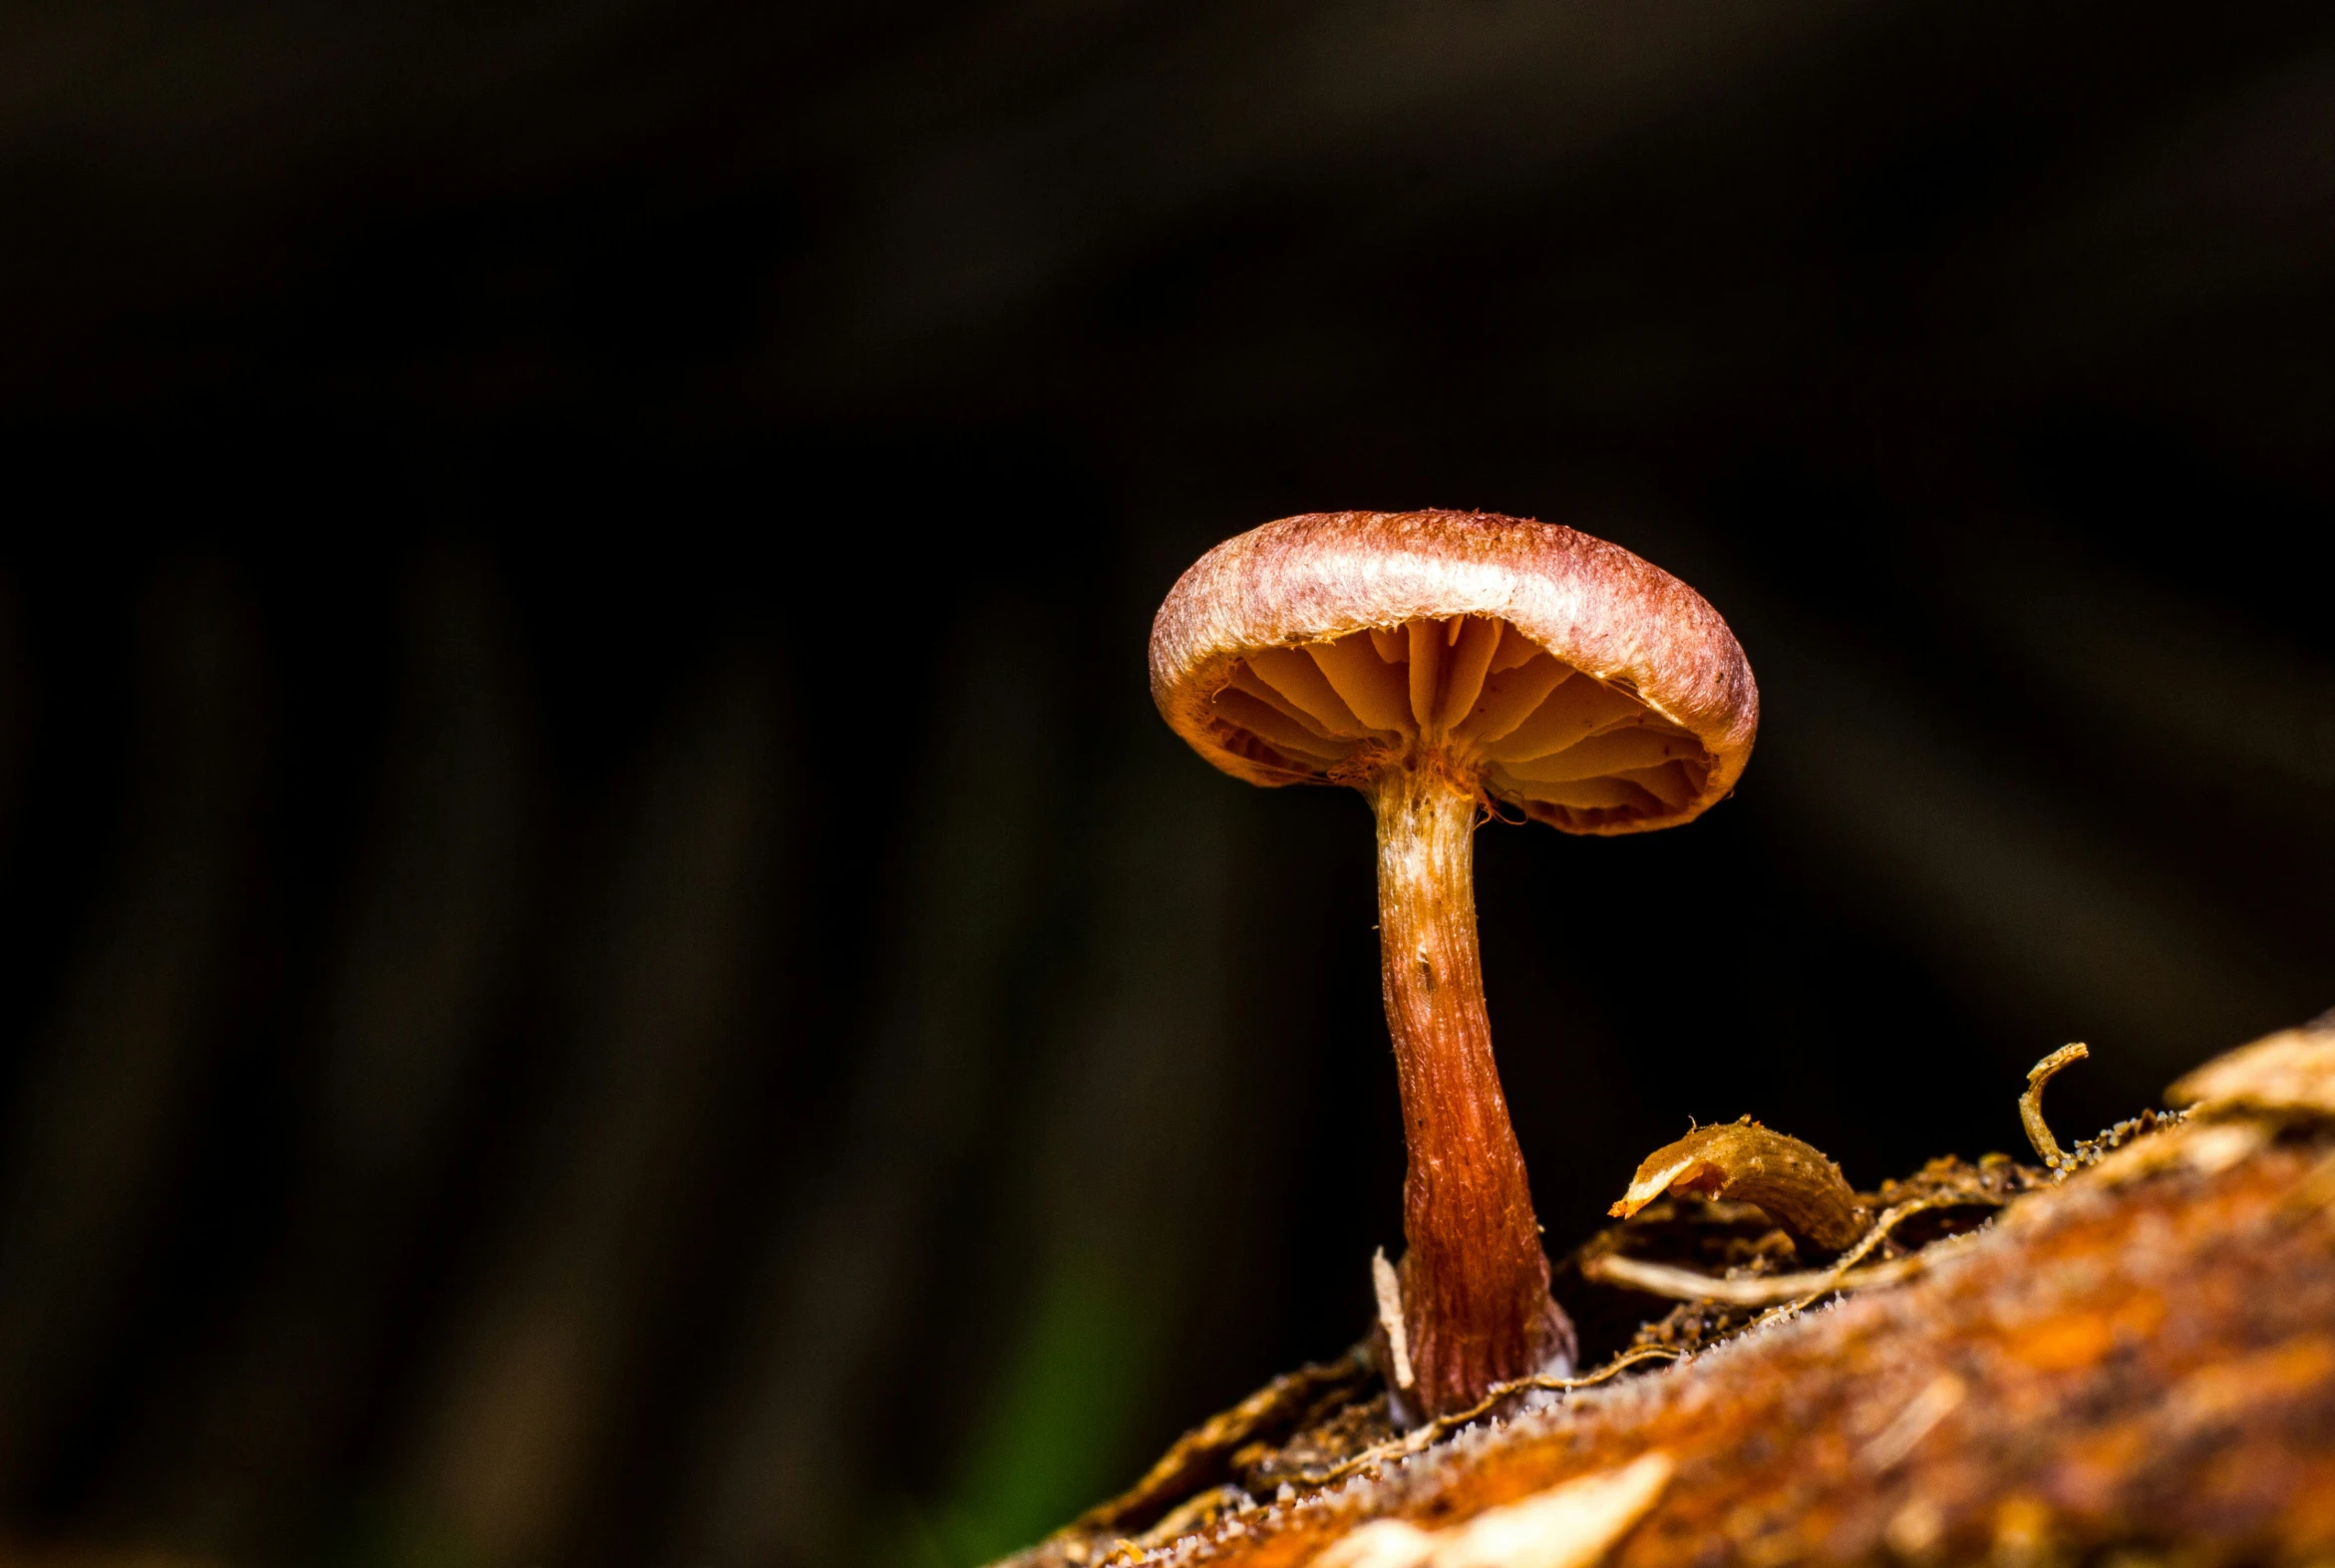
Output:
(605, 961)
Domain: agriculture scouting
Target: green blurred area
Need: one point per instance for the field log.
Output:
(1054, 1438)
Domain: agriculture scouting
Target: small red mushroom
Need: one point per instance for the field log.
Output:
(1440, 662)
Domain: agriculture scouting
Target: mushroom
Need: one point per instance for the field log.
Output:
(1445, 664)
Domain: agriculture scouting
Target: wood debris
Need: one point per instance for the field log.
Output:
(2134, 1358)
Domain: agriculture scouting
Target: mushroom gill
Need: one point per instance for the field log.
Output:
(1569, 749)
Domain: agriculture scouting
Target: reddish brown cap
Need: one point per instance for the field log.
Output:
(1587, 687)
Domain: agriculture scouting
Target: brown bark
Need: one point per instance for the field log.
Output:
(2130, 1361)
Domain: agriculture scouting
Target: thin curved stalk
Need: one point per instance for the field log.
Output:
(1475, 1282)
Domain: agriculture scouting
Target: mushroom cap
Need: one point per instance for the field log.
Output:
(1662, 662)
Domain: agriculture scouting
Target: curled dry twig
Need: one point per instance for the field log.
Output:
(1768, 1290)
(1775, 1290)
(1902, 1211)
(2031, 1104)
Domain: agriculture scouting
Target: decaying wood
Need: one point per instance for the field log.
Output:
(2289, 1074)
(1202, 1459)
(2135, 1361)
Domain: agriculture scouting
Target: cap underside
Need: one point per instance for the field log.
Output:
(1571, 750)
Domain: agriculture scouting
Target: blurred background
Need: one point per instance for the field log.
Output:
(605, 960)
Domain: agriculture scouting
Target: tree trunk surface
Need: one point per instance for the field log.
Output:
(2137, 1358)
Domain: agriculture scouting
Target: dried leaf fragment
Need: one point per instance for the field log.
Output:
(1790, 1180)
(1389, 1288)
(1382, 1543)
(1568, 1527)
(1762, 1290)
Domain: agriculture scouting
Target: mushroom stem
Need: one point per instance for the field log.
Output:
(1476, 1303)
